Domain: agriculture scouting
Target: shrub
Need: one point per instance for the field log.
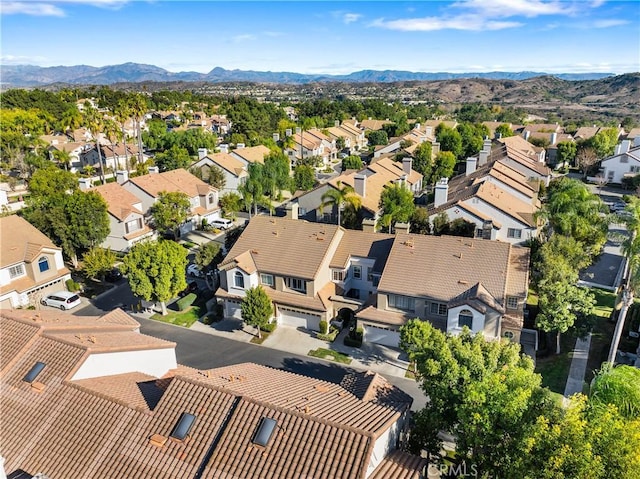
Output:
(72, 285)
(323, 327)
(354, 338)
(184, 303)
(269, 327)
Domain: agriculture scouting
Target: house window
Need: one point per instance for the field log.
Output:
(302, 211)
(465, 318)
(402, 302)
(338, 275)
(610, 174)
(438, 308)
(369, 275)
(514, 233)
(479, 232)
(267, 279)
(296, 284)
(43, 264)
(512, 302)
(211, 198)
(635, 169)
(133, 225)
(15, 271)
(357, 272)
(238, 279)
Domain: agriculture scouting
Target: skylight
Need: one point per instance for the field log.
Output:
(183, 427)
(34, 371)
(265, 431)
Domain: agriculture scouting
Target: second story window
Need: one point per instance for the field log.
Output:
(296, 284)
(16, 271)
(402, 302)
(438, 308)
(43, 264)
(465, 318)
(133, 225)
(267, 279)
(514, 233)
(238, 279)
(357, 272)
(338, 275)
(512, 302)
(211, 198)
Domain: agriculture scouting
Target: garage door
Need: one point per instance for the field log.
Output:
(299, 319)
(386, 337)
(232, 309)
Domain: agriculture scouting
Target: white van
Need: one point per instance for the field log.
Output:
(221, 223)
(61, 299)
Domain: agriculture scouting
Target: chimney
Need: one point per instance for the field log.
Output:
(239, 146)
(369, 225)
(487, 229)
(402, 227)
(85, 183)
(291, 211)
(287, 132)
(407, 163)
(486, 145)
(122, 176)
(624, 146)
(224, 148)
(527, 134)
(360, 185)
(418, 125)
(153, 169)
(441, 192)
(429, 131)
(202, 152)
(276, 137)
(617, 149)
(336, 123)
(554, 138)
(435, 148)
(472, 164)
(483, 156)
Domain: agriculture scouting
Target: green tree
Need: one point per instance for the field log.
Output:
(378, 137)
(450, 140)
(256, 308)
(397, 200)
(231, 203)
(619, 386)
(423, 161)
(604, 142)
(47, 183)
(304, 177)
(94, 120)
(340, 196)
(352, 162)
(170, 211)
(173, 158)
(471, 138)
(420, 222)
(443, 167)
(566, 152)
(98, 261)
(276, 175)
(156, 270)
(206, 255)
(216, 177)
(504, 131)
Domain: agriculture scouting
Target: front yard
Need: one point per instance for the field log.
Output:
(187, 317)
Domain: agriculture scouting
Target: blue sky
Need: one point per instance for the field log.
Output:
(326, 37)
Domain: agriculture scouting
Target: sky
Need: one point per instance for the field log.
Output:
(553, 36)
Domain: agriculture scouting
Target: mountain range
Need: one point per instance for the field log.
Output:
(33, 76)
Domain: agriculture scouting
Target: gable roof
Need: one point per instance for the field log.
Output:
(228, 163)
(363, 244)
(284, 246)
(21, 241)
(252, 154)
(170, 181)
(120, 202)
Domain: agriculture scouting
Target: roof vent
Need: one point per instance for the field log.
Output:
(33, 372)
(157, 440)
(264, 432)
(181, 431)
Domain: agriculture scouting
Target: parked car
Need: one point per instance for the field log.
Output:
(113, 276)
(221, 223)
(61, 299)
(192, 287)
(193, 270)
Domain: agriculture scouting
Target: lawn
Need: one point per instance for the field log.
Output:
(336, 356)
(260, 340)
(181, 318)
(555, 368)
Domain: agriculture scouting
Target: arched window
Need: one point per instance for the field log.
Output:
(508, 334)
(465, 318)
(43, 264)
(239, 280)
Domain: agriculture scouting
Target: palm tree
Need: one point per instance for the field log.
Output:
(138, 105)
(122, 113)
(70, 120)
(339, 196)
(95, 123)
(631, 250)
(112, 132)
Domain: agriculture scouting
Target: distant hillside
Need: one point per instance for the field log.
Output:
(32, 76)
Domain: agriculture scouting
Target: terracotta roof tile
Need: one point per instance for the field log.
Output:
(20, 241)
(364, 245)
(253, 154)
(174, 180)
(120, 202)
(400, 465)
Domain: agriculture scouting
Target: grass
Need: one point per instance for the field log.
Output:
(554, 369)
(605, 302)
(324, 353)
(532, 298)
(257, 340)
(180, 318)
(409, 374)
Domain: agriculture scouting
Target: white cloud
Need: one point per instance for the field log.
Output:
(52, 8)
(22, 60)
(244, 37)
(612, 22)
(351, 17)
(460, 22)
(511, 8)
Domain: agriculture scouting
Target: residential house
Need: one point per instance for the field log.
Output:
(114, 157)
(451, 282)
(419, 134)
(374, 125)
(519, 154)
(354, 138)
(235, 173)
(368, 184)
(386, 279)
(250, 154)
(311, 143)
(30, 264)
(518, 143)
(586, 132)
(202, 197)
(75, 150)
(221, 125)
(633, 134)
(624, 163)
(91, 397)
(127, 224)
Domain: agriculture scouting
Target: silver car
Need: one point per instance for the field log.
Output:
(61, 299)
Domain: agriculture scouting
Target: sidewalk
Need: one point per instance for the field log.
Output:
(575, 381)
(375, 357)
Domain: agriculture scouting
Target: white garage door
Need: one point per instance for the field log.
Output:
(382, 336)
(298, 319)
(232, 309)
